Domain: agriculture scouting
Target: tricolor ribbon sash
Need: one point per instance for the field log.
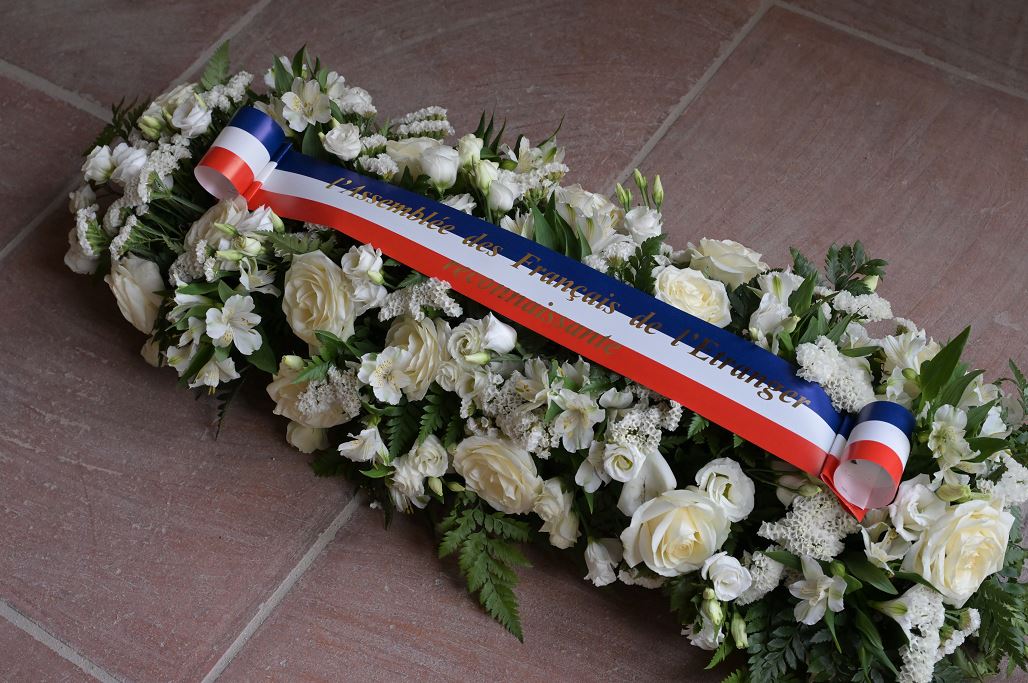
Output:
(711, 371)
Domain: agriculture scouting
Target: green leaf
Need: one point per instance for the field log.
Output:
(401, 427)
(830, 623)
(311, 145)
(203, 354)
(786, 558)
(721, 653)
(283, 79)
(799, 301)
(216, 70)
(264, 358)
(696, 425)
(803, 266)
(543, 232)
(986, 446)
(873, 639)
(871, 574)
(224, 291)
(954, 389)
(377, 472)
(935, 373)
(860, 351)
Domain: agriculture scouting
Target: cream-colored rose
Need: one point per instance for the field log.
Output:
(135, 283)
(317, 296)
(500, 472)
(287, 393)
(306, 439)
(692, 292)
(961, 549)
(727, 261)
(425, 342)
(675, 532)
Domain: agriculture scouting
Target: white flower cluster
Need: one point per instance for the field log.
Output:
(814, 527)
(871, 307)
(847, 381)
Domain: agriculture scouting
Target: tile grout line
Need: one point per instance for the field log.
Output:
(231, 32)
(693, 92)
(31, 226)
(271, 604)
(70, 97)
(65, 651)
(912, 53)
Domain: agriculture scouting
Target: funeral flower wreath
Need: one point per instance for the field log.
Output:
(427, 399)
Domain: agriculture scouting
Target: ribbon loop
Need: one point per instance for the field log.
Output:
(727, 379)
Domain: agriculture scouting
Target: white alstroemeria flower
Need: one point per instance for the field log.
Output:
(592, 214)
(440, 164)
(726, 484)
(233, 323)
(386, 373)
(180, 356)
(653, 479)
(344, 140)
(816, 592)
(255, 279)
(643, 223)
(947, 440)
(727, 576)
(367, 446)
(523, 223)
(461, 202)
(883, 545)
(591, 475)
(98, 166)
(128, 164)
(602, 558)
(709, 636)
(215, 372)
(622, 462)
(612, 399)
(575, 424)
(305, 104)
(192, 117)
(916, 507)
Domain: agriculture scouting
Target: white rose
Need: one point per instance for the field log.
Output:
(675, 532)
(169, 101)
(317, 296)
(98, 166)
(425, 344)
(554, 507)
(367, 446)
(286, 392)
(485, 173)
(690, 291)
(472, 338)
(622, 462)
(961, 549)
(500, 472)
(363, 265)
(727, 261)
(727, 576)
(502, 195)
(407, 153)
(306, 439)
(462, 202)
(440, 164)
(643, 223)
(430, 458)
(135, 283)
(602, 557)
(728, 486)
(192, 117)
(469, 150)
(407, 485)
(916, 507)
(344, 141)
(128, 163)
(227, 211)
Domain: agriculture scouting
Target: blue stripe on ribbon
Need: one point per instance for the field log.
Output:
(887, 411)
(261, 126)
(673, 321)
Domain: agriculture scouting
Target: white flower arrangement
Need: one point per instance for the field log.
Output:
(428, 400)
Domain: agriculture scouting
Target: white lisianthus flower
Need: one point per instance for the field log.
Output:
(500, 472)
(654, 478)
(82, 198)
(385, 373)
(408, 154)
(643, 223)
(344, 141)
(318, 296)
(728, 486)
(135, 283)
(192, 117)
(816, 593)
(622, 462)
(470, 340)
(575, 424)
(128, 163)
(76, 257)
(689, 290)
(168, 102)
(709, 637)
(592, 214)
(916, 507)
(406, 485)
(440, 164)
(306, 439)
(591, 474)
(469, 150)
(430, 458)
(228, 212)
(99, 165)
(726, 261)
(363, 265)
(602, 558)
(305, 104)
(675, 532)
(964, 546)
(367, 446)
(424, 343)
(727, 576)
(233, 323)
(771, 317)
(461, 202)
(554, 507)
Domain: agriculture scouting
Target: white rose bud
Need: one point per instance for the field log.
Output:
(727, 261)
(622, 462)
(99, 165)
(502, 196)
(344, 140)
(502, 473)
(675, 532)
(135, 283)
(554, 507)
(430, 458)
(690, 291)
(485, 173)
(440, 165)
(728, 577)
(469, 149)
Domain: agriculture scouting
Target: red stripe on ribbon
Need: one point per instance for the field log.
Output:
(230, 165)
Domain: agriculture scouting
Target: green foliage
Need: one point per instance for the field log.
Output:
(123, 118)
(737, 676)
(847, 266)
(642, 262)
(402, 425)
(223, 397)
(484, 543)
(439, 411)
(216, 70)
(292, 243)
(938, 372)
(1004, 628)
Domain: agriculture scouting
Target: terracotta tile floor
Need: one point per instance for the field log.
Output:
(136, 547)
